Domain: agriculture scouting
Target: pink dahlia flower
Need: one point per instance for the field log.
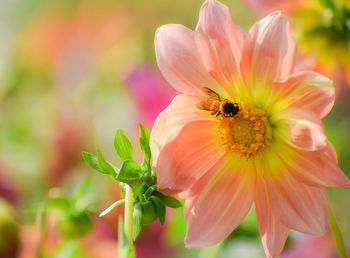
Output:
(245, 129)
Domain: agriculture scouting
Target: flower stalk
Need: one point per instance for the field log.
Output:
(129, 209)
(337, 234)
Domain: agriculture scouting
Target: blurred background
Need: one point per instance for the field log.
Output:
(72, 72)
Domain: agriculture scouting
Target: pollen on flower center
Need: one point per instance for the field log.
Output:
(246, 133)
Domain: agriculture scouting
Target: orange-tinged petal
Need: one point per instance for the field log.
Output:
(219, 42)
(178, 59)
(170, 121)
(273, 232)
(188, 157)
(300, 128)
(318, 170)
(268, 51)
(307, 89)
(223, 197)
(297, 205)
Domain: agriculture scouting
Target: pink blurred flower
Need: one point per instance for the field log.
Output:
(59, 31)
(8, 188)
(311, 247)
(273, 152)
(151, 92)
(67, 142)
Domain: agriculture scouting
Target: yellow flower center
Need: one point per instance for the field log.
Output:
(246, 133)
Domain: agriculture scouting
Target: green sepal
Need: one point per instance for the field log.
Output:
(168, 200)
(150, 190)
(99, 164)
(149, 214)
(146, 150)
(130, 170)
(122, 146)
(137, 221)
(160, 208)
(110, 208)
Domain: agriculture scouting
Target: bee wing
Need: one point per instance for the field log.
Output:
(204, 105)
(211, 94)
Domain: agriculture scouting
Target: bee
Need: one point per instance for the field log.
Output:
(216, 105)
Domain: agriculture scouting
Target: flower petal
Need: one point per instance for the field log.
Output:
(170, 121)
(189, 156)
(319, 170)
(309, 90)
(297, 205)
(224, 196)
(273, 233)
(219, 42)
(178, 60)
(269, 50)
(300, 128)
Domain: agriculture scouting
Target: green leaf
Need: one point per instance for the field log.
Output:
(130, 170)
(146, 150)
(110, 208)
(125, 248)
(122, 145)
(168, 200)
(160, 208)
(137, 220)
(108, 168)
(99, 164)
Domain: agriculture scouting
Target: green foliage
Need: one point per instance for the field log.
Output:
(75, 220)
(327, 3)
(160, 208)
(169, 200)
(149, 204)
(146, 150)
(130, 170)
(122, 145)
(99, 164)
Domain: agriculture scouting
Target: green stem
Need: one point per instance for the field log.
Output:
(128, 215)
(337, 235)
(42, 221)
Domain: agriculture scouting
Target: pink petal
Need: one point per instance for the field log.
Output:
(178, 60)
(297, 205)
(223, 198)
(170, 121)
(319, 170)
(273, 233)
(308, 90)
(189, 156)
(269, 51)
(219, 42)
(301, 129)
